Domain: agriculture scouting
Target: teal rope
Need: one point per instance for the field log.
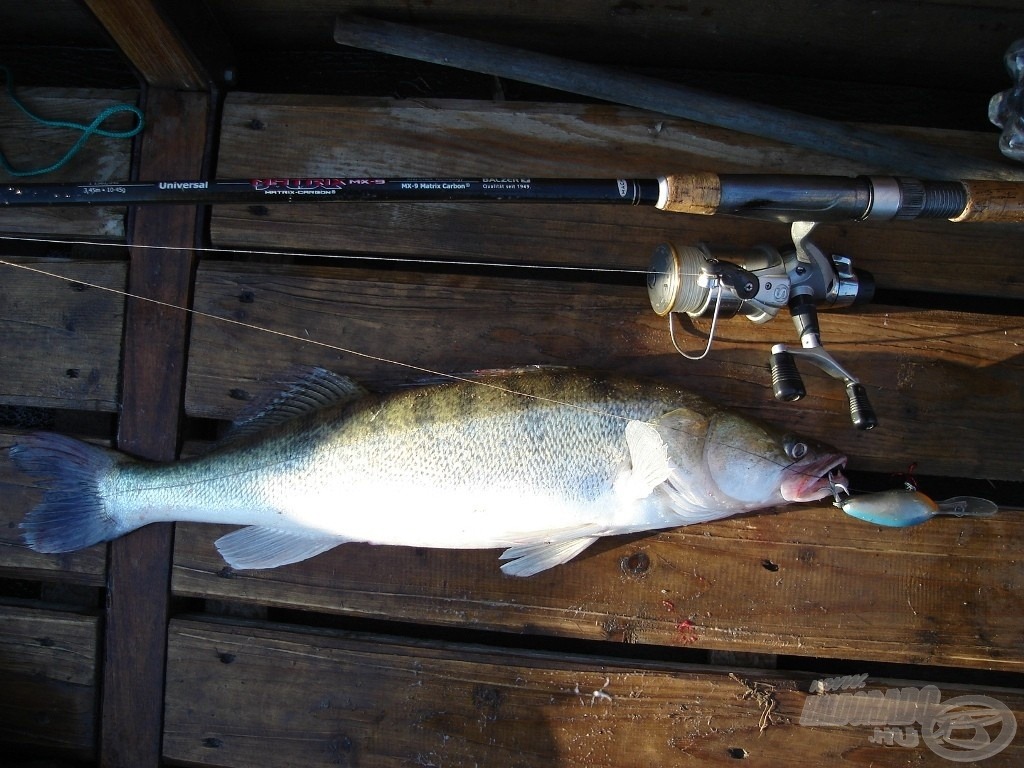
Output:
(87, 130)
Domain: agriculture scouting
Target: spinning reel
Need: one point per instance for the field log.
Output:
(757, 283)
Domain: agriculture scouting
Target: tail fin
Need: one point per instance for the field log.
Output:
(72, 514)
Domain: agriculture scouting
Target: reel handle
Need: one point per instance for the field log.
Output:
(862, 414)
(788, 386)
(787, 383)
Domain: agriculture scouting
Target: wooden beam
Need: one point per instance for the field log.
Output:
(151, 42)
(152, 393)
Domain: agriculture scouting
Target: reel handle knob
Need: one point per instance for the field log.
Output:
(787, 384)
(861, 413)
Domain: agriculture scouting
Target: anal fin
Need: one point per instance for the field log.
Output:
(257, 547)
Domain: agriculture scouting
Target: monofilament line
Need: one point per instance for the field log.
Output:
(324, 344)
(318, 255)
(307, 340)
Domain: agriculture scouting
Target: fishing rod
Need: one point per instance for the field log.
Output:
(691, 281)
(771, 197)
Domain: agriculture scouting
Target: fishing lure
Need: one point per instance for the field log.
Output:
(903, 507)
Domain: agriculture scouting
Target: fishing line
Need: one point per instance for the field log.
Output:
(319, 255)
(307, 340)
(334, 347)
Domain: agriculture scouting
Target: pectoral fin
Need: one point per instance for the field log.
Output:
(256, 547)
(648, 457)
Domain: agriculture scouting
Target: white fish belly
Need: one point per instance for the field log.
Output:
(417, 515)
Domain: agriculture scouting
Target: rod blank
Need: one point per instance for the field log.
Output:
(772, 197)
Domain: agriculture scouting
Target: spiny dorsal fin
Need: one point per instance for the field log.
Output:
(309, 390)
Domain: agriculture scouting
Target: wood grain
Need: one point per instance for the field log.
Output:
(155, 345)
(946, 593)
(154, 47)
(930, 374)
(936, 37)
(329, 699)
(28, 145)
(322, 136)
(660, 96)
(60, 339)
(48, 664)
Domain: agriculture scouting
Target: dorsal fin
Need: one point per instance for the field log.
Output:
(310, 389)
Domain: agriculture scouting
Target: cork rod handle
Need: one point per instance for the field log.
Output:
(992, 201)
(699, 193)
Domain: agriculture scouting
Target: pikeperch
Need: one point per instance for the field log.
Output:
(539, 462)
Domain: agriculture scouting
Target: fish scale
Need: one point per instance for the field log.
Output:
(539, 462)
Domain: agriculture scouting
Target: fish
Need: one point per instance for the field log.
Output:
(903, 507)
(541, 463)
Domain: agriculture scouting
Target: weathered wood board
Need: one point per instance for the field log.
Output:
(330, 699)
(48, 675)
(930, 374)
(807, 581)
(60, 337)
(906, 41)
(320, 136)
(27, 145)
(768, 583)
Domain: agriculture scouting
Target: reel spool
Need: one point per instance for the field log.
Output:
(691, 280)
(757, 283)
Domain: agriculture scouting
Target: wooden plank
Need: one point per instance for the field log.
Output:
(930, 374)
(151, 43)
(153, 381)
(48, 668)
(330, 699)
(28, 145)
(905, 42)
(323, 136)
(85, 567)
(662, 96)
(60, 338)
(921, 369)
(946, 593)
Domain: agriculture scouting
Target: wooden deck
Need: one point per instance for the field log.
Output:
(697, 646)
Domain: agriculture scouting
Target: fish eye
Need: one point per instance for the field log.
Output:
(795, 449)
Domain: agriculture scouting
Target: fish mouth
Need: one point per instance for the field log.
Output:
(814, 479)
